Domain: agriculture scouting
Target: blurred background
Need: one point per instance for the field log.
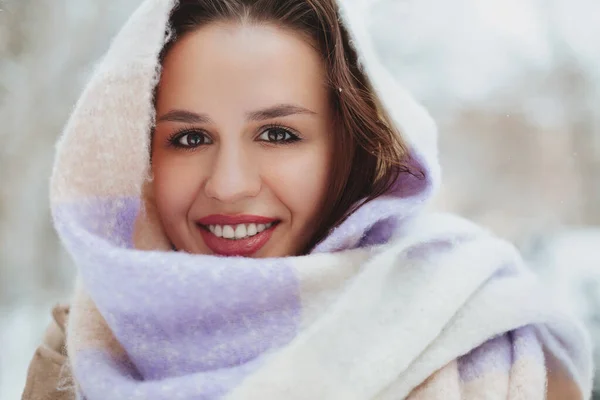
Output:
(513, 84)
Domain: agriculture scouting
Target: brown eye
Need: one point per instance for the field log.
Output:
(190, 139)
(278, 135)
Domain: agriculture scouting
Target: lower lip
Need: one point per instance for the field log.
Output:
(236, 247)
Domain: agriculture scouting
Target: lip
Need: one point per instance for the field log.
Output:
(221, 219)
(238, 247)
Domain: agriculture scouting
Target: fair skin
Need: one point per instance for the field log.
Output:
(244, 128)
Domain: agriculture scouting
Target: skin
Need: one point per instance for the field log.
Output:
(228, 73)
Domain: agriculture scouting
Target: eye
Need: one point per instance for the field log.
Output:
(190, 139)
(278, 135)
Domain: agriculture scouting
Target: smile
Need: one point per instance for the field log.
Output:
(236, 232)
(239, 235)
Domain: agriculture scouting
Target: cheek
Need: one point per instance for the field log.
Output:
(175, 188)
(300, 179)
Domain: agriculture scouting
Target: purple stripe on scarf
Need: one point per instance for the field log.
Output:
(414, 181)
(500, 353)
(111, 219)
(406, 196)
(379, 233)
(351, 233)
(508, 270)
(434, 247)
(178, 313)
(102, 377)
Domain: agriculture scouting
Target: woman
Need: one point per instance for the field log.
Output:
(247, 224)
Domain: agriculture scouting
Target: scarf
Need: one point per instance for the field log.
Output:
(394, 303)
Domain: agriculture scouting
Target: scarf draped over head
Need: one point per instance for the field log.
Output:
(393, 303)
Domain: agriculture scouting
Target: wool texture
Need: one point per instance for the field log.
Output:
(395, 303)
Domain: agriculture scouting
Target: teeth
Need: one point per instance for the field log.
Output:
(228, 232)
(239, 231)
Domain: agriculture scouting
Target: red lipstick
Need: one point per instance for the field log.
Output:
(235, 247)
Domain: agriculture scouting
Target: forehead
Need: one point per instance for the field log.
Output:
(243, 62)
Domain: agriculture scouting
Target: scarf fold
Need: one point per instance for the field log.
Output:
(394, 303)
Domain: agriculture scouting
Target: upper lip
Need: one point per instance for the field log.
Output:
(221, 219)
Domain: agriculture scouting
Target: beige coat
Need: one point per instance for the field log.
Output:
(49, 378)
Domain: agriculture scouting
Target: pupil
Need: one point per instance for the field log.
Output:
(276, 135)
(194, 140)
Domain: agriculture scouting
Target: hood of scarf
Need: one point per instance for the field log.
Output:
(102, 161)
(144, 313)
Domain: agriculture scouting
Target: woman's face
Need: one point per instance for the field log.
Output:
(243, 141)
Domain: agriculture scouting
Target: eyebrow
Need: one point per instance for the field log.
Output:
(185, 116)
(277, 111)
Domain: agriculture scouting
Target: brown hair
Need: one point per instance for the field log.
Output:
(370, 154)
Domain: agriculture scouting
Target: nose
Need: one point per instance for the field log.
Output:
(234, 175)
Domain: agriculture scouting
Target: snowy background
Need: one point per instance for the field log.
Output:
(513, 84)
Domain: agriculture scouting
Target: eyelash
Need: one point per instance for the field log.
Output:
(174, 139)
(294, 136)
